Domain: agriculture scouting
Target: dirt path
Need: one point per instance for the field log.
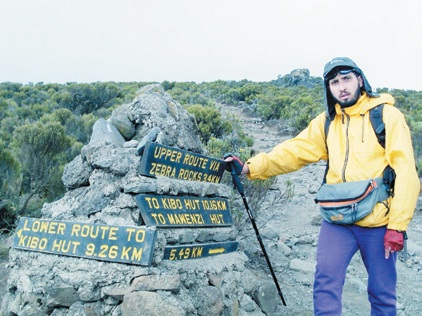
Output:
(265, 135)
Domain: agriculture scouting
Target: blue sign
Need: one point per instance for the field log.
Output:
(184, 211)
(161, 160)
(195, 251)
(126, 244)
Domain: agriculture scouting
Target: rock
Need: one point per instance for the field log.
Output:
(413, 248)
(61, 295)
(286, 250)
(267, 297)
(299, 77)
(247, 304)
(249, 281)
(302, 266)
(154, 283)
(210, 301)
(115, 161)
(76, 173)
(130, 144)
(150, 137)
(145, 303)
(119, 118)
(152, 107)
(105, 132)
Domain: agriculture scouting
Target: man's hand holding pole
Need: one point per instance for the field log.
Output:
(239, 166)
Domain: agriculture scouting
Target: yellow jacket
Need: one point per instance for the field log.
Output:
(355, 154)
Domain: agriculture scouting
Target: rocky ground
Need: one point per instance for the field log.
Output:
(4, 271)
(289, 227)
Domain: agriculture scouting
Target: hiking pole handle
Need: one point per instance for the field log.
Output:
(236, 180)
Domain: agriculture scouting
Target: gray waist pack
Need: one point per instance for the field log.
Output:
(348, 202)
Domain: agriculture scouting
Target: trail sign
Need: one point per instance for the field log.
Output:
(126, 244)
(161, 160)
(195, 251)
(183, 211)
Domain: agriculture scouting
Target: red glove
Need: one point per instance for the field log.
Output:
(393, 241)
(235, 161)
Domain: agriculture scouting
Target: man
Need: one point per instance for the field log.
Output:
(354, 154)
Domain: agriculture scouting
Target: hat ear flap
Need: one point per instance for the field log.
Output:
(331, 110)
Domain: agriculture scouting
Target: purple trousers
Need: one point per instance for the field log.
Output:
(336, 246)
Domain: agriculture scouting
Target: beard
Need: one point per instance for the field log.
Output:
(351, 101)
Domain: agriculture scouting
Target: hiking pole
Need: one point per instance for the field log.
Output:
(239, 186)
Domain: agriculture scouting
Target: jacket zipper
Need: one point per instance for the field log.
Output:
(346, 158)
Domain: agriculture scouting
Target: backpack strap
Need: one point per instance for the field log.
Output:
(326, 127)
(375, 115)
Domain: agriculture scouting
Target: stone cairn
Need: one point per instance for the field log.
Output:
(103, 184)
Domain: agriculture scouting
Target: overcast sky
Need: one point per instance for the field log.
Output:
(205, 40)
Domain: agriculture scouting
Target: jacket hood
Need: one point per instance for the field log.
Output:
(366, 103)
(336, 63)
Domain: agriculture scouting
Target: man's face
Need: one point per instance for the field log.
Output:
(345, 89)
